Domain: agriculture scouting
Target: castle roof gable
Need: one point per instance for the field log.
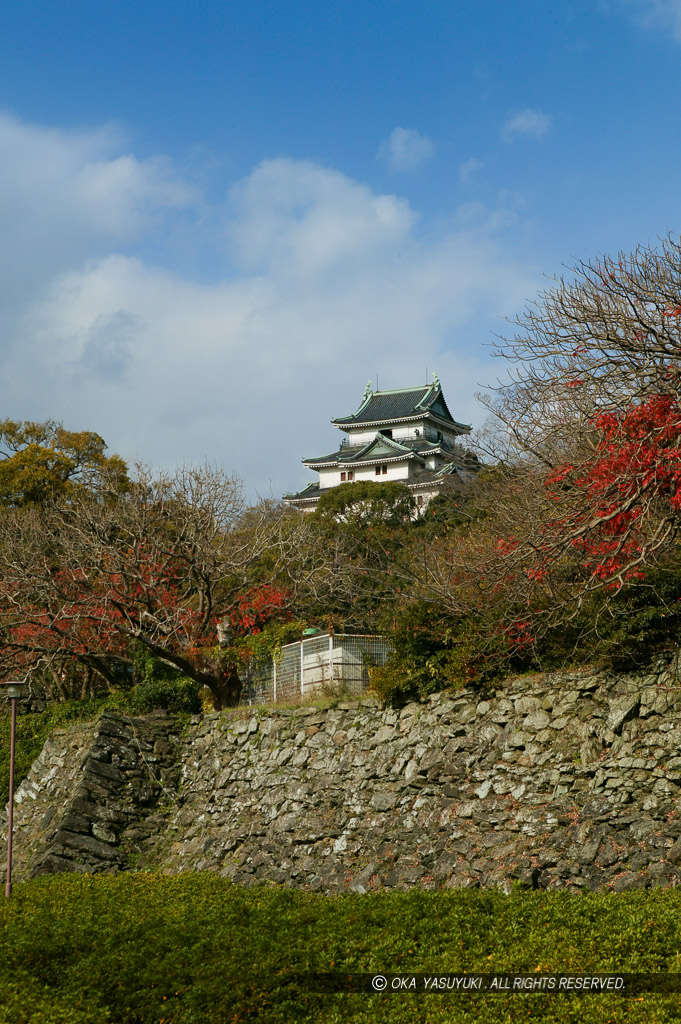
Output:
(377, 449)
(384, 407)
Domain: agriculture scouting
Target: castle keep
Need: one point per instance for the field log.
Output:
(406, 435)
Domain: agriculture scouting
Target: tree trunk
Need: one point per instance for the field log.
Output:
(225, 690)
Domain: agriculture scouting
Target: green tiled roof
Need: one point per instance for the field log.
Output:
(387, 406)
(381, 447)
(311, 491)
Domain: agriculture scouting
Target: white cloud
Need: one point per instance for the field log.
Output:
(329, 283)
(664, 15)
(528, 123)
(79, 179)
(468, 170)
(299, 218)
(406, 150)
(69, 196)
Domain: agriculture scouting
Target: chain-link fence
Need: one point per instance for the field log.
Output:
(316, 664)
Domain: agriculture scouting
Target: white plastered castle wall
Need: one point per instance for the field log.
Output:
(399, 470)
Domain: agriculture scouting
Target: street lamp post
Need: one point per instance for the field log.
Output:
(13, 690)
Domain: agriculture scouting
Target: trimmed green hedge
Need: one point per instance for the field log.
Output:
(195, 949)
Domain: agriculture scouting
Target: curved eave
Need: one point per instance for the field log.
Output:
(463, 428)
(358, 459)
(364, 456)
(359, 456)
(377, 423)
(429, 396)
(437, 448)
(424, 485)
(380, 460)
(309, 493)
(292, 500)
(325, 460)
(398, 457)
(448, 470)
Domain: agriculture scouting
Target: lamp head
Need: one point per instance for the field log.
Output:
(12, 688)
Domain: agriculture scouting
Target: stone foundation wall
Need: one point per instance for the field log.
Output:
(570, 780)
(92, 800)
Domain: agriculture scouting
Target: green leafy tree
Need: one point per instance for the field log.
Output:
(368, 522)
(40, 461)
(367, 504)
(458, 504)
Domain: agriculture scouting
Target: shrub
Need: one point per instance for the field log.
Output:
(367, 504)
(431, 652)
(196, 949)
(161, 686)
(179, 695)
(625, 632)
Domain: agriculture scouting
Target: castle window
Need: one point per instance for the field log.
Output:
(343, 475)
(381, 469)
(351, 474)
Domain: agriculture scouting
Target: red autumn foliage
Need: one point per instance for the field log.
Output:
(636, 466)
(257, 606)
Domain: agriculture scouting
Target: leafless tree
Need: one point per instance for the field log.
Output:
(604, 339)
(591, 415)
(585, 437)
(82, 580)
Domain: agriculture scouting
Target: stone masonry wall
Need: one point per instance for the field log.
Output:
(568, 780)
(91, 800)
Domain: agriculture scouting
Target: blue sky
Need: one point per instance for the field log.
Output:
(222, 219)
